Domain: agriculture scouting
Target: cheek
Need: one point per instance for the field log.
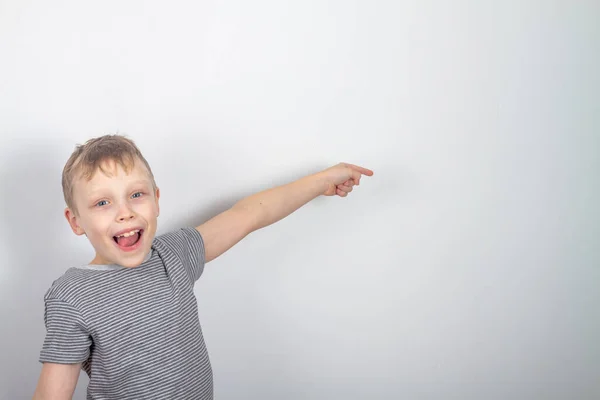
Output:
(99, 225)
(146, 209)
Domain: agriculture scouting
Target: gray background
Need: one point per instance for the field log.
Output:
(466, 268)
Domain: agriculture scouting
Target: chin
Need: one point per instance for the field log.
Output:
(132, 262)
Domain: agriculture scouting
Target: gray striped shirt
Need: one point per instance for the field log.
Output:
(135, 330)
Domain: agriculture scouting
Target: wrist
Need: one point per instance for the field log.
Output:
(319, 183)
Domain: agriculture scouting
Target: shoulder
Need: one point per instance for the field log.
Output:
(182, 243)
(183, 247)
(69, 284)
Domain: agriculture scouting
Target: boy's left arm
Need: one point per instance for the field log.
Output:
(264, 208)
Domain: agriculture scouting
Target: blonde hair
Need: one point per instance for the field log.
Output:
(88, 158)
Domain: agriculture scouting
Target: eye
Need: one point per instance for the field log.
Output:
(100, 203)
(135, 194)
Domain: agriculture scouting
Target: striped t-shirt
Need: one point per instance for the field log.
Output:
(135, 330)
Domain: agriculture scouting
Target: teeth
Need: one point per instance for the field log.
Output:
(127, 234)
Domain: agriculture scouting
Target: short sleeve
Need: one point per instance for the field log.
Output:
(67, 338)
(188, 247)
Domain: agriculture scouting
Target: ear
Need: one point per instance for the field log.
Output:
(157, 195)
(72, 219)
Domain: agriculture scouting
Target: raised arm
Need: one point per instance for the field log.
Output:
(269, 206)
(57, 381)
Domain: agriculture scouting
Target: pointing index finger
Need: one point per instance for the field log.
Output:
(362, 170)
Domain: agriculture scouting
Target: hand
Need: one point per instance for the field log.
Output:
(342, 177)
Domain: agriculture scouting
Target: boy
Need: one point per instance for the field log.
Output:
(129, 318)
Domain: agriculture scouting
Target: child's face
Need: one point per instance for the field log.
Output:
(112, 205)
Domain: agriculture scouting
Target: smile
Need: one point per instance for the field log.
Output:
(129, 241)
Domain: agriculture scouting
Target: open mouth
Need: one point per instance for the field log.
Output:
(129, 240)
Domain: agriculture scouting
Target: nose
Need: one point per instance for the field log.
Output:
(125, 214)
(125, 217)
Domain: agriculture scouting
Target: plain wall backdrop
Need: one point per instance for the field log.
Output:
(467, 268)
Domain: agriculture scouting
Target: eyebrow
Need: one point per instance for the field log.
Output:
(97, 191)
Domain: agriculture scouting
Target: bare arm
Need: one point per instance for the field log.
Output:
(57, 381)
(269, 206)
(223, 231)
